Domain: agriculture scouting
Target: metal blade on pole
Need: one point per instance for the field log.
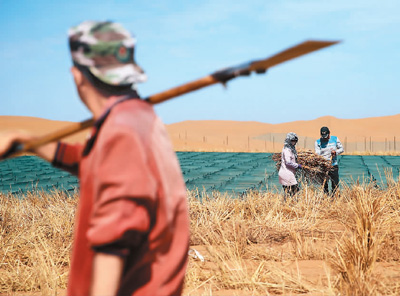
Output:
(244, 69)
(290, 53)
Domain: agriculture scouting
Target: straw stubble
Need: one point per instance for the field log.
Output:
(255, 245)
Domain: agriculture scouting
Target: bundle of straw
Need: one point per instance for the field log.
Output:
(317, 167)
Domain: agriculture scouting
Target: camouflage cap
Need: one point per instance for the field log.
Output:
(107, 49)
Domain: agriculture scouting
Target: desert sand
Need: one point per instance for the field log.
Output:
(368, 134)
(38, 126)
(375, 134)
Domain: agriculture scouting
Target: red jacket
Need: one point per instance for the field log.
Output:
(132, 194)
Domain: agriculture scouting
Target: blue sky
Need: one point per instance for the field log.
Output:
(180, 41)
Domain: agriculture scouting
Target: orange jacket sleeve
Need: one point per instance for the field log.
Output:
(67, 157)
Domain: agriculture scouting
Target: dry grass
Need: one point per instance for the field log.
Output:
(36, 235)
(261, 245)
(255, 245)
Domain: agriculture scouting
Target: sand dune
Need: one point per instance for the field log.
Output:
(38, 126)
(367, 134)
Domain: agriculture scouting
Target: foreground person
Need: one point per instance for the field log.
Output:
(289, 165)
(132, 230)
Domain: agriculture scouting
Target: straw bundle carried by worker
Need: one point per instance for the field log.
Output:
(317, 166)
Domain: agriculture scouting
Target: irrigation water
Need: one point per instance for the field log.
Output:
(234, 173)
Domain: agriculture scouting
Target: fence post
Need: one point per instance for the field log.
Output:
(370, 144)
(273, 143)
(365, 144)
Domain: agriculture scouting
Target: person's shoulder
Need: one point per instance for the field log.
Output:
(287, 149)
(135, 105)
(334, 138)
(130, 118)
(133, 111)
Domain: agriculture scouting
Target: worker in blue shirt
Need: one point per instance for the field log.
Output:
(329, 147)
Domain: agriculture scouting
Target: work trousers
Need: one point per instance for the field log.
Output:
(333, 176)
(290, 190)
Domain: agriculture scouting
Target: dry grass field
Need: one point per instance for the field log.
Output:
(256, 245)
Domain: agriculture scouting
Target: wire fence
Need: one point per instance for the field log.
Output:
(273, 142)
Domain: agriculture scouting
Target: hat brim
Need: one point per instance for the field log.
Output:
(119, 75)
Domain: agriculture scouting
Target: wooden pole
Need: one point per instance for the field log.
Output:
(222, 76)
(57, 135)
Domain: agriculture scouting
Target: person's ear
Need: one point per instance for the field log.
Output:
(78, 76)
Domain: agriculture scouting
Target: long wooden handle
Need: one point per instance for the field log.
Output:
(57, 135)
(182, 89)
(73, 128)
(18, 148)
(222, 76)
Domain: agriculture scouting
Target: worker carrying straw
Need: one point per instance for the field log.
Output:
(303, 164)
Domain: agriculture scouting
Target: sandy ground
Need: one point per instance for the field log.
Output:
(367, 134)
